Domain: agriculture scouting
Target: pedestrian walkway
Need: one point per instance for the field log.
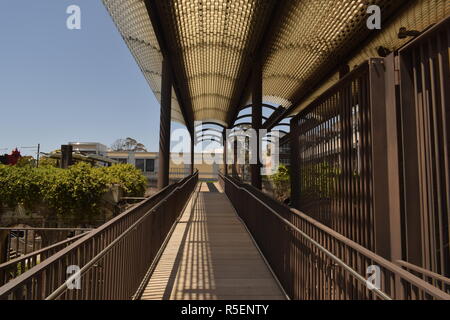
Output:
(211, 256)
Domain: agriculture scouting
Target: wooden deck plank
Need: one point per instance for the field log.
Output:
(210, 256)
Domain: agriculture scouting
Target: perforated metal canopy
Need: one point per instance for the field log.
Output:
(133, 23)
(212, 45)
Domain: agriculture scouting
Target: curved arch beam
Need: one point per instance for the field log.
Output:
(209, 136)
(210, 140)
(282, 125)
(211, 123)
(248, 116)
(211, 130)
(282, 131)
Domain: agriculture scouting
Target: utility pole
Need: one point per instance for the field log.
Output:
(37, 156)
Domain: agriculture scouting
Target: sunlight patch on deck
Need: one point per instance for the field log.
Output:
(210, 256)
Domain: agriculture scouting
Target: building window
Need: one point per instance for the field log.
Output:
(149, 165)
(145, 165)
(140, 164)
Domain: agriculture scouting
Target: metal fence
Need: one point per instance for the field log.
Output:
(313, 261)
(21, 241)
(335, 158)
(425, 133)
(15, 267)
(112, 260)
(371, 155)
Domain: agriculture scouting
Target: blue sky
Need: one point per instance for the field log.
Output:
(59, 85)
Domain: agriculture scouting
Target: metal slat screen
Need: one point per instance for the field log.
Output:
(336, 161)
(425, 108)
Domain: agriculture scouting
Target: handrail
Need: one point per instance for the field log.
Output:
(94, 243)
(376, 258)
(320, 247)
(55, 294)
(424, 272)
(43, 229)
(31, 258)
(30, 239)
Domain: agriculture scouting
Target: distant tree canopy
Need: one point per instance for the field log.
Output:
(128, 144)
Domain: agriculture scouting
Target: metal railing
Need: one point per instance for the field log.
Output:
(112, 260)
(313, 262)
(22, 241)
(437, 280)
(15, 267)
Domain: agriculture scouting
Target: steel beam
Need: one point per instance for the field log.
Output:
(255, 169)
(295, 164)
(235, 159)
(393, 159)
(192, 152)
(181, 91)
(225, 146)
(164, 127)
(380, 158)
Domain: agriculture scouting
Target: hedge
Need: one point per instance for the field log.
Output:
(74, 191)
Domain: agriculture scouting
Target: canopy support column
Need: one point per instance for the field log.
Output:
(164, 127)
(295, 165)
(192, 152)
(235, 159)
(225, 145)
(257, 123)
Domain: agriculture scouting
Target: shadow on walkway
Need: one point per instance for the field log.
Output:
(212, 187)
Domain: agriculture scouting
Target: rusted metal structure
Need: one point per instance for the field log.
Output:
(369, 143)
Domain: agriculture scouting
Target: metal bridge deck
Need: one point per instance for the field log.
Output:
(211, 256)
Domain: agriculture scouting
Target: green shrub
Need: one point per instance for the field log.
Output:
(19, 185)
(76, 191)
(281, 181)
(128, 177)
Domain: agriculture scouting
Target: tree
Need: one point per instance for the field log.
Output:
(281, 181)
(26, 161)
(128, 144)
